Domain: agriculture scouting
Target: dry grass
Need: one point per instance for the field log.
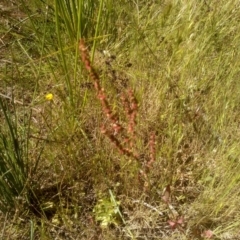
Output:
(141, 143)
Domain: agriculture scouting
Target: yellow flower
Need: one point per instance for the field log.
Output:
(49, 96)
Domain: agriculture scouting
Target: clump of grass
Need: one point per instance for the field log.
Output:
(14, 165)
(81, 19)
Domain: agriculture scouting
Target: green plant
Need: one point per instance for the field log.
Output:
(81, 19)
(84, 19)
(14, 166)
(107, 211)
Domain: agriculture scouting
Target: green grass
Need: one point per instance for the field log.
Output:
(62, 177)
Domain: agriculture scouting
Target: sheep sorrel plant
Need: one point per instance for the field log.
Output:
(122, 136)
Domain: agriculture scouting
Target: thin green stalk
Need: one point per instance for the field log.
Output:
(97, 29)
(69, 87)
